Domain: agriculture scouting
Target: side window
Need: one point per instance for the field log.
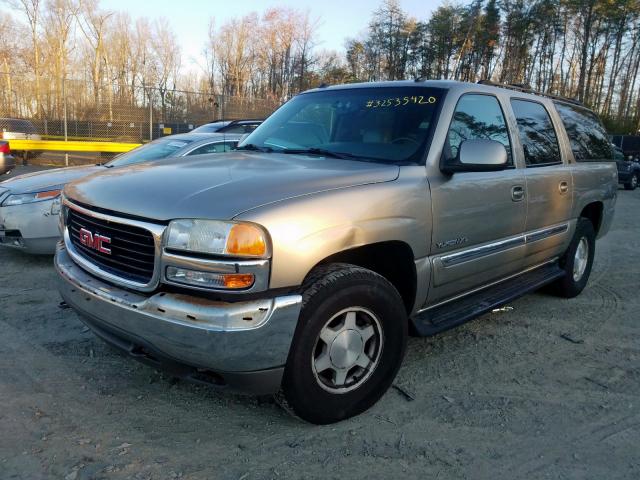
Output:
(477, 117)
(537, 134)
(217, 147)
(588, 138)
(233, 129)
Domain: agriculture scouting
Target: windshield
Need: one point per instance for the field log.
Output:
(162, 148)
(210, 127)
(388, 124)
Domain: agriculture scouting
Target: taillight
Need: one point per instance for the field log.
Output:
(4, 148)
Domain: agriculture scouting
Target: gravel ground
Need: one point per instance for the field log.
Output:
(547, 389)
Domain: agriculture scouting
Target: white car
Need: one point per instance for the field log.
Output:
(29, 204)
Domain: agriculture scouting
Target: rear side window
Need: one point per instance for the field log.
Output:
(239, 128)
(217, 147)
(537, 134)
(589, 140)
(477, 116)
(233, 129)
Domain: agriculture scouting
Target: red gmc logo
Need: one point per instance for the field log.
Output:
(94, 241)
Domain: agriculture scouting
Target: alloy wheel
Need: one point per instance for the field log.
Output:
(347, 350)
(581, 258)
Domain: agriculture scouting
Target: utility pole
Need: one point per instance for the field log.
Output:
(150, 117)
(64, 100)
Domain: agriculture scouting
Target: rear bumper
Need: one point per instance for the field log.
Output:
(242, 345)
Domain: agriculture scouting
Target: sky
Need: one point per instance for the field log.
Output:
(340, 19)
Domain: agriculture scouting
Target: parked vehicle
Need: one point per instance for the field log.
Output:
(7, 160)
(29, 204)
(628, 169)
(353, 215)
(19, 129)
(228, 126)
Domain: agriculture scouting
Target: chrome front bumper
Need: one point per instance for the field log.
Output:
(243, 344)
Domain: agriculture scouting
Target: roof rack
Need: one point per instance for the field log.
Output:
(526, 88)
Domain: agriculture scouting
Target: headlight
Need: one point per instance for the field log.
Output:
(30, 197)
(217, 238)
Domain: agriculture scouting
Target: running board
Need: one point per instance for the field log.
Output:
(451, 314)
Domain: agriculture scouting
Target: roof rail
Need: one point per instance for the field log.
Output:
(526, 88)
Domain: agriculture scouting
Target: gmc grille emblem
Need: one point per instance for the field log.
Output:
(94, 241)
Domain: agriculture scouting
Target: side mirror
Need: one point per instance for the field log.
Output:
(478, 155)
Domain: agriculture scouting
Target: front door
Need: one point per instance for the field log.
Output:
(478, 217)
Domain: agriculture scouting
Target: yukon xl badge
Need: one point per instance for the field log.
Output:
(453, 242)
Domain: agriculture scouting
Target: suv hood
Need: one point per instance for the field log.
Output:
(38, 181)
(220, 186)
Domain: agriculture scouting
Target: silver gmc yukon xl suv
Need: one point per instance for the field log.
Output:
(354, 216)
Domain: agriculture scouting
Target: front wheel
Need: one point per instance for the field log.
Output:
(348, 345)
(577, 260)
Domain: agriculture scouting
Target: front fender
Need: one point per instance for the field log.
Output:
(307, 229)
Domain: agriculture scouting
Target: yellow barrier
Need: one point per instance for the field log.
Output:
(73, 146)
(80, 138)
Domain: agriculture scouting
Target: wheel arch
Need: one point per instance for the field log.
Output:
(394, 260)
(594, 212)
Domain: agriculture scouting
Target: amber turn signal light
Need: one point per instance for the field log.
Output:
(246, 240)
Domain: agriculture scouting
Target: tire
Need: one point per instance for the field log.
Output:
(632, 184)
(577, 267)
(350, 317)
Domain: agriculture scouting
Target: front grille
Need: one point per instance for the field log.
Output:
(132, 248)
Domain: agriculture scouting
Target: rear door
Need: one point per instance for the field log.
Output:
(478, 217)
(548, 182)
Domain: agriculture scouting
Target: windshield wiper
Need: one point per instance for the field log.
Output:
(325, 152)
(255, 148)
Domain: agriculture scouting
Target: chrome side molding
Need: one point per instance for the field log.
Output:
(499, 246)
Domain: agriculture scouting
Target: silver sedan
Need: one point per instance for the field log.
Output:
(30, 203)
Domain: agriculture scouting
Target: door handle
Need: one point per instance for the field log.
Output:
(517, 193)
(563, 187)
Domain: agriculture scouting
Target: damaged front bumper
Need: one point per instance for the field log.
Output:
(31, 227)
(242, 345)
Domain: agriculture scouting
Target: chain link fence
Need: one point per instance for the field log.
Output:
(82, 110)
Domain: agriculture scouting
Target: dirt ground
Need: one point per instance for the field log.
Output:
(547, 390)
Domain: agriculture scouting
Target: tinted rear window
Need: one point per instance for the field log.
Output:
(537, 134)
(589, 140)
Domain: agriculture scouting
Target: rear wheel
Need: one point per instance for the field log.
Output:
(348, 346)
(577, 261)
(632, 184)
